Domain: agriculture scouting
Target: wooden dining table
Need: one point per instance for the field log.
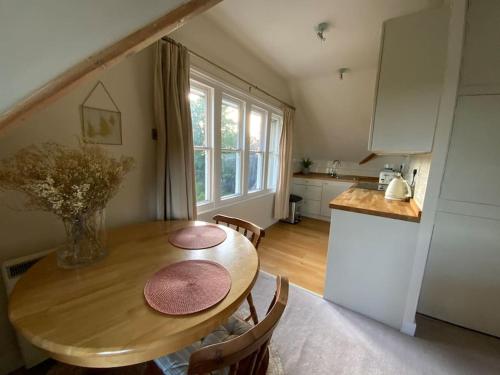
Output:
(97, 316)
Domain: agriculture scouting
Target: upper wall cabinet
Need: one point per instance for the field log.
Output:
(410, 78)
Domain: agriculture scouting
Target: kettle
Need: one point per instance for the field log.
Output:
(398, 189)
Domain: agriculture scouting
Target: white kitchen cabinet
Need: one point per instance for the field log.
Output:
(462, 276)
(481, 60)
(472, 171)
(410, 78)
(311, 208)
(330, 191)
(462, 279)
(317, 195)
(310, 191)
(369, 265)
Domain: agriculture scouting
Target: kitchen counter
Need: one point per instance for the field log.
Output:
(342, 178)
(372, 202)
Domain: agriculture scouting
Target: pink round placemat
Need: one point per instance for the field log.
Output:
(187, 287)
(197, 237)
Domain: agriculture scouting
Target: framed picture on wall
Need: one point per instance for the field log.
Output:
(101, 118)
(102, 126)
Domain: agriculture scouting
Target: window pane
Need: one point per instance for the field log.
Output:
(274, 146)
(256, 128)
(255, 161)
(230, 173)
(201, 174)
(275, 133)
(272, 178)
(230, 121)
(199, 104)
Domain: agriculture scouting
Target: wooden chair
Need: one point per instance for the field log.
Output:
(246, 354)
(249, 353)
(251, 231)
(254, 233)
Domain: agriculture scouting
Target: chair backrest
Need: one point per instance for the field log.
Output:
(247, 354)
(253, 232)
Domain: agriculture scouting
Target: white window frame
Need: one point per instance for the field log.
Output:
(240, 149)
(279, 118)
(209, 146)
(220, 90)
(263, 151)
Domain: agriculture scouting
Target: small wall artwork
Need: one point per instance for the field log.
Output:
(101, 125)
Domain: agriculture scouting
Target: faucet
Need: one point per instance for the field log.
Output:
(335, 165)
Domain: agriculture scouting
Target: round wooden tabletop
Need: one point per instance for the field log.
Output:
(96, 316)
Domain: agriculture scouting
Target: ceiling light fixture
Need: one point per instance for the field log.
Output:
(321, 30)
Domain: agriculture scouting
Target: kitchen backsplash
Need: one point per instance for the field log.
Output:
(372, 168)
(422, 163)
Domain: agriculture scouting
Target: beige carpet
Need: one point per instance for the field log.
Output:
(318, 337)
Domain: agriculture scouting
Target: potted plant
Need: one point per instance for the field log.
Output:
(306, 164)
(73, 183)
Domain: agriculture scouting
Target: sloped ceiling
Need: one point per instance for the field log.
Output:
(333, 116)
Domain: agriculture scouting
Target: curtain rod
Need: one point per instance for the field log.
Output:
(170, 40)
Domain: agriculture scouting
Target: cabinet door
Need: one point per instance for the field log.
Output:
(461, 282)
(312, 193)
(330, 191)
(472, 171)
(481, 57)
(410, 82)
(298, 189)
(311, 207)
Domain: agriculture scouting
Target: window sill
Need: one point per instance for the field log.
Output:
(208, 207)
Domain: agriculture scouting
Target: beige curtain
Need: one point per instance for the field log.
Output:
(175, 159)
(285, 171)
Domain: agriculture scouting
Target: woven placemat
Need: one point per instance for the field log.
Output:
(197, 237)
(187, 287)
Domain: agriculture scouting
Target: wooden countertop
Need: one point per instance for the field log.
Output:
(372, 202)
(342, 178)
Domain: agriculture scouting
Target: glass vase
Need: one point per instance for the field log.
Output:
(85, 240)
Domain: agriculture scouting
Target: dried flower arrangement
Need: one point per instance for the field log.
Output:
(74, 184)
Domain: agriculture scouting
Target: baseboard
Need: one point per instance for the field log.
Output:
(317, 217)
(408, 328)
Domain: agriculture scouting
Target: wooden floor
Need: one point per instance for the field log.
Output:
(297, 251)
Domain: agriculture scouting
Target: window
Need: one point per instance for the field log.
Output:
(257, 135)
(274, 151)
(231, 124)
(235, 140)
(200, 101)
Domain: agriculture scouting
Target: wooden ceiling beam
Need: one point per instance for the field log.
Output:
(105, 58)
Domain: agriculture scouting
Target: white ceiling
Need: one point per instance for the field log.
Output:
(333, 116)
(282, 31)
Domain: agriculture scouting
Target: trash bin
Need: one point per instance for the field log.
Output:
(295, 202)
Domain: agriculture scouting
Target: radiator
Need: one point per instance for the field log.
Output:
(12, 270)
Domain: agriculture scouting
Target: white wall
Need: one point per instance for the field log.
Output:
(204, 36)
(258, 210)
(422, 163)
(22, 232)
(334, 115)
(40, 40)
